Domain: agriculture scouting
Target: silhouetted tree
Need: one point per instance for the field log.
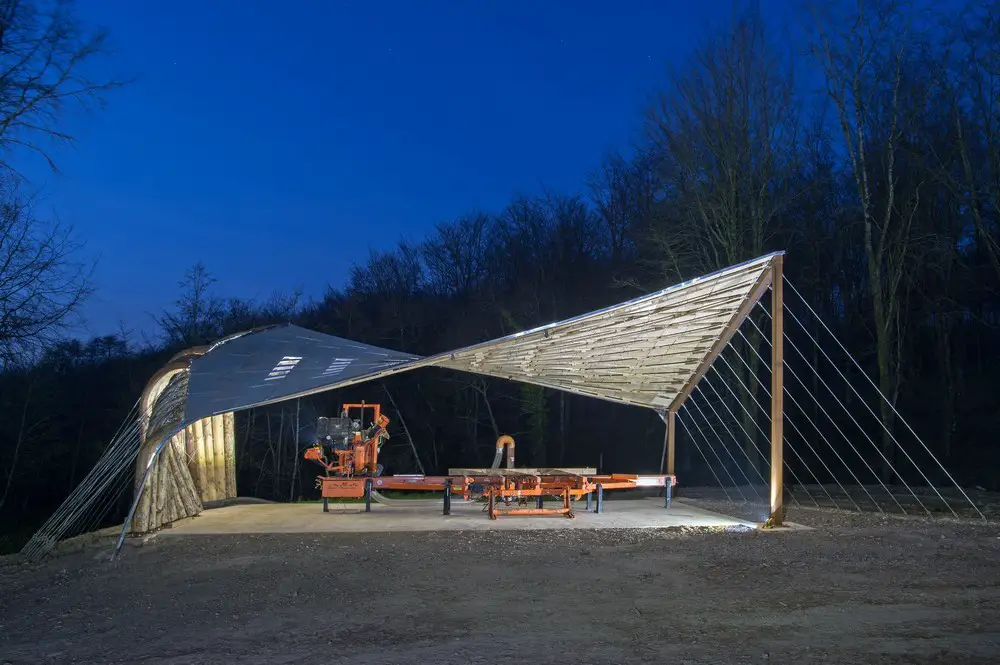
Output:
(864, 57)
(46, 54)
(42, 282)
(198, 315)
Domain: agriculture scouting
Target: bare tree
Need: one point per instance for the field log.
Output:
(723, 136)
(389, 273)
(396, 279)
(972, 81)
(197, 315)
(239, 314)
(863, 60)
(519, 244)
(623, 192)
(455, 255)
(45, 52)
(41, 284)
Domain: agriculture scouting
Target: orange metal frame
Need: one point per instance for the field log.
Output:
(499, 486)
(494, 493)
(360, 458)
(352, 475)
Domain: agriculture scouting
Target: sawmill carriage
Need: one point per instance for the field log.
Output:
(348, 453)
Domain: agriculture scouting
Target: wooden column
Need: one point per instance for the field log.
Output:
(204, 429)
(229, 429)
(666, 439)
(219, 441)
(667, 457)
(191, 454)
(200, 473)
(777, 390)
(671, 437)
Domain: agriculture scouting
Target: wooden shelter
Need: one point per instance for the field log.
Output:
(649, 352)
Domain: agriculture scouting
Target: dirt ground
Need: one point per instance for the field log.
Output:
(858, 589)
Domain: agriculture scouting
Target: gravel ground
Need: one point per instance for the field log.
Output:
(856, 589)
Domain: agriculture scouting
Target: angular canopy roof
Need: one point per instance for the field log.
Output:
(644, 352)
(647, 352)
(276, 363)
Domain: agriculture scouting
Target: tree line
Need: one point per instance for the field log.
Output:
(868, 148)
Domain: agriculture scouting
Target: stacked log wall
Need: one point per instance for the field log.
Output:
(198, 462)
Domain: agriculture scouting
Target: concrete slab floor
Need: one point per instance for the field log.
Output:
(351, 518)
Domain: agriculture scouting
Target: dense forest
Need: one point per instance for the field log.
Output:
(867, 147)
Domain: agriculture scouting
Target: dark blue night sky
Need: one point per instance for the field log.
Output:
(278, 141)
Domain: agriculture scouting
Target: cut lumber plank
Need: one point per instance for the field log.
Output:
(523, 472)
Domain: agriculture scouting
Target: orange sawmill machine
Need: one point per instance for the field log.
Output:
(348, 449)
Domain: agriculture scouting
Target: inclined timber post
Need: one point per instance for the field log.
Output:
(777, 390)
